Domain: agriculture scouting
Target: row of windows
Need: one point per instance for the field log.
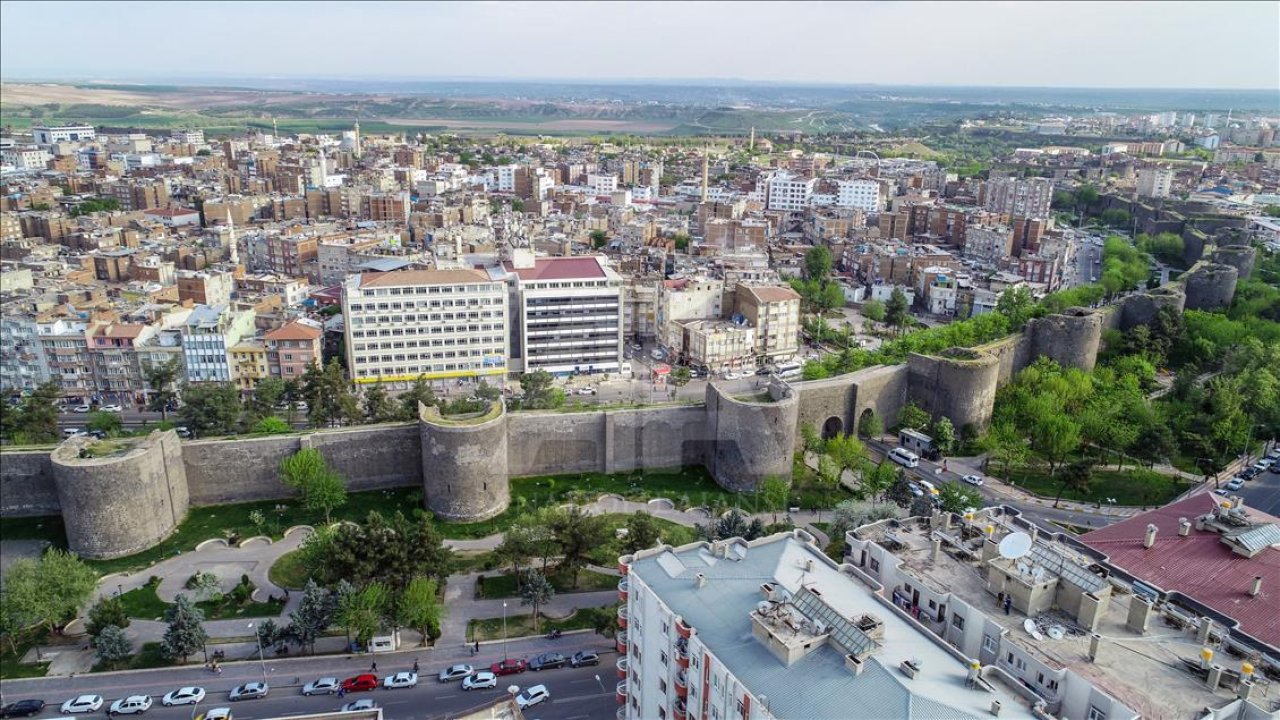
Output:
(434, 318)
(412, 331)
(469, 302)
(448, 342)
(417, 370)
(446, 355)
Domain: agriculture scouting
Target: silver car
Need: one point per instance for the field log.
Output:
(456, 672)
(249, 691)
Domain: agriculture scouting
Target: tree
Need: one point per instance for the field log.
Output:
(944, 435)
(874, 310)
(535, 590)
(956, 498)
(900, 492)
(878, 480)
(852, 514)
(681, 376)
(517, 546)
(420, 608)
(732, 524)
(328, 395)
(362, 611)
(599, 239)
(485, 391)
(810, 438)
(390, 550)
(773, 494)
(1056, 437)
(847, 451)
(185, 634)
(912, 417)
(47, 591)
(896, 312)
(271, 425)
(319, 485)
(831, 297)
(377, 406)
(267, 394)
(642, 533)
(107, 423)
(1017, 305)
(1076, 476)
(111, 646)
(210, 408)
(1115, 217)
(578, 534)
(1008, 446)
(269, 633)
(540, 392)
(37, 419)
(419, 392)
(1087, 195)
(870, 426)
(817, 263)
(109, 611)
(314, 614)
(681, 241)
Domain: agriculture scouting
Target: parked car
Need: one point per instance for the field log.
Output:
(219, 713)
(82, 704)
(401, 680)
(480, 681)
(973, 479)
(111, 408)
(583, 658)
(72, 432)
(184, 432)
(1262, 465)
(81, 409)
(1234, 483)
(532, 696)
(249, 691)
(361, 704)
(22, 708)
(586, 391)
(455, 672)
(321, 686)
(510, 666)
(915, 489)
(366, 681)
(132, 705)
(547, 661)
(183, 696)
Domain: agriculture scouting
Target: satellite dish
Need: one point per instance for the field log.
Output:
(1015, 545)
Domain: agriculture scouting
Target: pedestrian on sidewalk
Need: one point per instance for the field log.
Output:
(477, 647)
(415, 666)
(1008, 603)
(374, 667)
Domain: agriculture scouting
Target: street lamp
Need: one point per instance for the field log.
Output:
(504, 630)
(257, 638)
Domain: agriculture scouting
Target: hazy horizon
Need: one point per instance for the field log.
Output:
(1164, 45)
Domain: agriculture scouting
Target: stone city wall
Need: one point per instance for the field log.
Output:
(26, 484)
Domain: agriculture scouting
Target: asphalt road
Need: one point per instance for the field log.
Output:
(575, 693)
(1262, 493)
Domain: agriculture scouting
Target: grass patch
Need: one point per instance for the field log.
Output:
(1132, 487)
(469, 561)
(228, 610)
(760, 397)
(144, 604)
(670, 533)
(11, 667)
(505, 586)
(485, 629)
(288, 571)
(39, 527)
(150, 655)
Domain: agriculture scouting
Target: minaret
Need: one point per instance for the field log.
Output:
(751, 145)
(706, 172)
(324, 167)
(356, 149)
(275, 130)
(231, 241)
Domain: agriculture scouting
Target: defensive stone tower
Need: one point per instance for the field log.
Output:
(124, 501)
(1240, 257)
(1141, 309)
(751, 439)
(1071, 338)
(1210, 286)
(958, 383)
(464, 463)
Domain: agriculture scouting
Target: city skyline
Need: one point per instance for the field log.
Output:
(1002, 44)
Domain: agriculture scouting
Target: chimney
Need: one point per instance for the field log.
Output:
(1184, 527)
(1095, 640)
(700, 580)
(995, 707)
(1215, 677)
(1150, 538)
(1203, 632)
(1244, 689)
(937, 549)
(1256, 589)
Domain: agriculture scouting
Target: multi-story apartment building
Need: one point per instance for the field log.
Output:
(717, 344)
(291, 255)
(116, 366)
(139, 194)
(863, 195)
(1154, 182)
(787, 192)
(773, 628)
(735, 236)
(50, 134)
(696, 298)
(602, 184)
(207, 337)
(205, 287)
(25, 158)
(22, 361)
(65, 348)
(1019, 197)
(988, 244)
(248, 364)
(292, 348)
(774, 312)
(639, 310)
(569, 314)
(432, 324)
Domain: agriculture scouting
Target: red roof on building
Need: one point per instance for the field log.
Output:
(295, 331)
(560, 268)
(1199, 565)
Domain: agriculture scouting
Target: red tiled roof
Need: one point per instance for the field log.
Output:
(1200, 565)
(560, 268)
(422, 277)
(295, 331)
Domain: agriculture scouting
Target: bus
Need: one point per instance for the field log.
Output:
(789, 370)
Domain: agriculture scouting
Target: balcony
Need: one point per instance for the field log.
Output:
(682, 628)
(622, 693)
(682, 656)
(623, 585)
(682, 684)
(622, 617)
(620, 642)
(681, 710)
(624, 568)
(622, 665)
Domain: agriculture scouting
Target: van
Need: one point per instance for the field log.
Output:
(906, 458)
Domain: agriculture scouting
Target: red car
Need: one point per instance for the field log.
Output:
(510, 666)
(367, 681)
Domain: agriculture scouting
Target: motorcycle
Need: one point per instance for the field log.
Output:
(554, 635)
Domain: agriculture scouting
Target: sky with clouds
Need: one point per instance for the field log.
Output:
(1216, 44)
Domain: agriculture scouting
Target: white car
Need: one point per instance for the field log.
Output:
(586, 391)
(480, 681)
(111, 408)
(532, 696)
(456, 672)
(321, 686)
(81, 409)
(132, 705)
(221, 713)
(362, 704)
(183, 696)
(973, 479)
(1234, 484)
(401, 680)
(83, 704)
